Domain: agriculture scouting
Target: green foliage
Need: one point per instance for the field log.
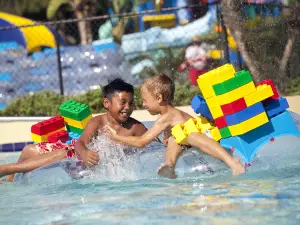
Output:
(46, 103)
(53, 7)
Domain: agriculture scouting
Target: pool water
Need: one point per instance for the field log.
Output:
(270, 196)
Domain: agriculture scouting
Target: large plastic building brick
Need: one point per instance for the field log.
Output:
(216, 76)
(249, 124)
(221, 122)
(203, 124)
(275, 107)
(63, 136)
(208, 92)
(225, 132)
(245, 114)
(216, 112)
(179, 134)
(271, 83)
(190, 126)
(234, 106)
(215, 133)
(47, 126)
(199, 106)
(241, 78)
(44, 138)
(73, 135)
(76, 123)
(74, 129)
(262, 92)
(236, 94)
(74, 110)
(248, 145)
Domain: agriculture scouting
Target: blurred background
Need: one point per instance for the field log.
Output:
(56, 49)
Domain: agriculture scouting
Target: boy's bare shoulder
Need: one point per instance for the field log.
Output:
(98, 120)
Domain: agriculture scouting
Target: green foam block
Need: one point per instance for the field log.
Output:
(225, 132)
(74, 129)
(74, 110)
(241, 78)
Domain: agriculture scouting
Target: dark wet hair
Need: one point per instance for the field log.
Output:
(117, 85)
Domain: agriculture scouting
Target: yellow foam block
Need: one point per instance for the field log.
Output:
(236, 94)
(249, 124)
(179, 135)
(216, 112)
(203, 124)
(208, 92)
(190, 126)
(37, 138)
(216, 76)
(215, 133)
(78, 124)
(262, 92)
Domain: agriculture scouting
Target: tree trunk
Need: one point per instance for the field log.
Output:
(231, 10)
(88, 12)
(81, 27)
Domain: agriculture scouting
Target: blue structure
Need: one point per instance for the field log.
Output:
(248, 144)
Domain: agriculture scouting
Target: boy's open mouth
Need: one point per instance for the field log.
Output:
(125, 114)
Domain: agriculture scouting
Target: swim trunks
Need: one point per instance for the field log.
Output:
(45, 147)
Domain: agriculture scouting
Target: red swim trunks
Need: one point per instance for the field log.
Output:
(45, 147)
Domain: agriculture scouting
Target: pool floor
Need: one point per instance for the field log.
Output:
(269, 197)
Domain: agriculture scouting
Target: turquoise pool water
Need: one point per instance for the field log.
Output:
(270, 195)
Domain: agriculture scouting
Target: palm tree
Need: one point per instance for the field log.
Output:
(82, 9)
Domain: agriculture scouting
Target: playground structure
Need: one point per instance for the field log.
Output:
(242, 116)
(26, 36)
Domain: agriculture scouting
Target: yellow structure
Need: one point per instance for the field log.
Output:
(34, 36)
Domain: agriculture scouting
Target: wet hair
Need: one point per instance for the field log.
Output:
(115, 86)
(160, 84)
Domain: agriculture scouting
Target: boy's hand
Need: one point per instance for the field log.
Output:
(90, 158)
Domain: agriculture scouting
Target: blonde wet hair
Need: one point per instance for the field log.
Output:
(160, 84)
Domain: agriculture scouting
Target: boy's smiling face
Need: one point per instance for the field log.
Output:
(150, 103)
(120, 106)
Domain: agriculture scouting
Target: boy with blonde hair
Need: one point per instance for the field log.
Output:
(157, 94)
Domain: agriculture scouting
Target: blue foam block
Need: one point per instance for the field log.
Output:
(199, 106)
(276, 106)
(73, 135)
(244, 114)
(248, 144)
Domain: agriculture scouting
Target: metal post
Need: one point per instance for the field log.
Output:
(224, 38)
(60, 78)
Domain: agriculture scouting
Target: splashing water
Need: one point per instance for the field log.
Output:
(117, 161)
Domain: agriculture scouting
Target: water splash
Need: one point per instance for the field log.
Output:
(117, 161)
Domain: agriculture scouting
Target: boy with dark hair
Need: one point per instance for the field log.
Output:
(158, 93)
(118, 99)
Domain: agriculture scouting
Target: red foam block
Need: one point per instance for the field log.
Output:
(221, 122)
(234, 106)
(63, 136)
(48, 126)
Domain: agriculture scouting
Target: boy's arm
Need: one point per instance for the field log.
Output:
(160, 125)
(88, 156)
